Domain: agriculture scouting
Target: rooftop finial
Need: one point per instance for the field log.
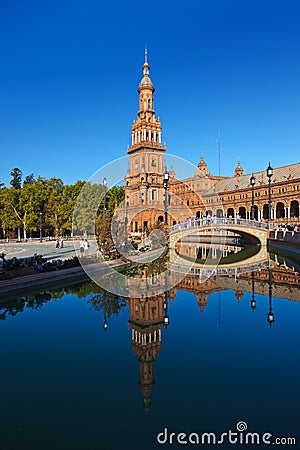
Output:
(146, 65)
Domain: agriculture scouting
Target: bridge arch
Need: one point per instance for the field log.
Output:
(258, 230)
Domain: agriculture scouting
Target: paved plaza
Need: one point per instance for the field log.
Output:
(46, 248)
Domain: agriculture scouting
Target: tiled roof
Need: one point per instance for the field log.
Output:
(280, 175)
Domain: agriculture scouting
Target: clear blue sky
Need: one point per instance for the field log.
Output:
(69, 72)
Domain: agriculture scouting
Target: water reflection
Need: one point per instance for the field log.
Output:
(109, 303)
(223, 253)
(149, 315)
(270, 313)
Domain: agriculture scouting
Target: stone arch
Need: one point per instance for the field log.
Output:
(220, 213)
(265, 211)
(255, 212)
(230, 212)
(294, 208)
(280, 210)
(242, 212)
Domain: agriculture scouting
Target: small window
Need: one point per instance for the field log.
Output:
(153, 194)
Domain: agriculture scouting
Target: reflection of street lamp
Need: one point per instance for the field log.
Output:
(41, 214)
(104, 206)
(270, 318)
(105, 324)
(252, 182)
(253, 301)
(269, 175)
(166, 184)
(165, 306)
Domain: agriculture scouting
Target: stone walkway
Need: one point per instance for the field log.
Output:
(46, 248)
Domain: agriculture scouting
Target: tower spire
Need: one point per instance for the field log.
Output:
(146, 66)
(146, 129)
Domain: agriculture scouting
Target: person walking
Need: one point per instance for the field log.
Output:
(81, 248)
(86, 247)
(57, 243)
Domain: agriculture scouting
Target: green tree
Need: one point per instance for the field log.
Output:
(29, 179)
(16, 180)
(53, 205)
(70, 195)
(29, 206)
(9, 206)
(86, 208)
(113, 198)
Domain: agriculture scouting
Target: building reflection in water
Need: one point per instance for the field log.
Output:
(149, 314)
(146, 321)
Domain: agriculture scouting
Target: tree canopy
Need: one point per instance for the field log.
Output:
(50, 204)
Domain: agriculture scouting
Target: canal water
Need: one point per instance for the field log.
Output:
(84, 369)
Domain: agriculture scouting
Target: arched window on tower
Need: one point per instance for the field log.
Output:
(149, 103)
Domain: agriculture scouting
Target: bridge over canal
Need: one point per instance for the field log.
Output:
(258, 230)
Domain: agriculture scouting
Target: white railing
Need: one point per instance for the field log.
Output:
(217, 221)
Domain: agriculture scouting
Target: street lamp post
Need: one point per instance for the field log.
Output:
(104, 201)
(166, 185)
(252, 182)
(269, 175)
(41, 214)
(126, 222)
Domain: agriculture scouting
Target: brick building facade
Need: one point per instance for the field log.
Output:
(202, 194)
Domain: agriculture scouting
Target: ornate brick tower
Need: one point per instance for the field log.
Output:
(144, 178)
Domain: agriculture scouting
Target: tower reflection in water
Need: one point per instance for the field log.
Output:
(149, 315)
